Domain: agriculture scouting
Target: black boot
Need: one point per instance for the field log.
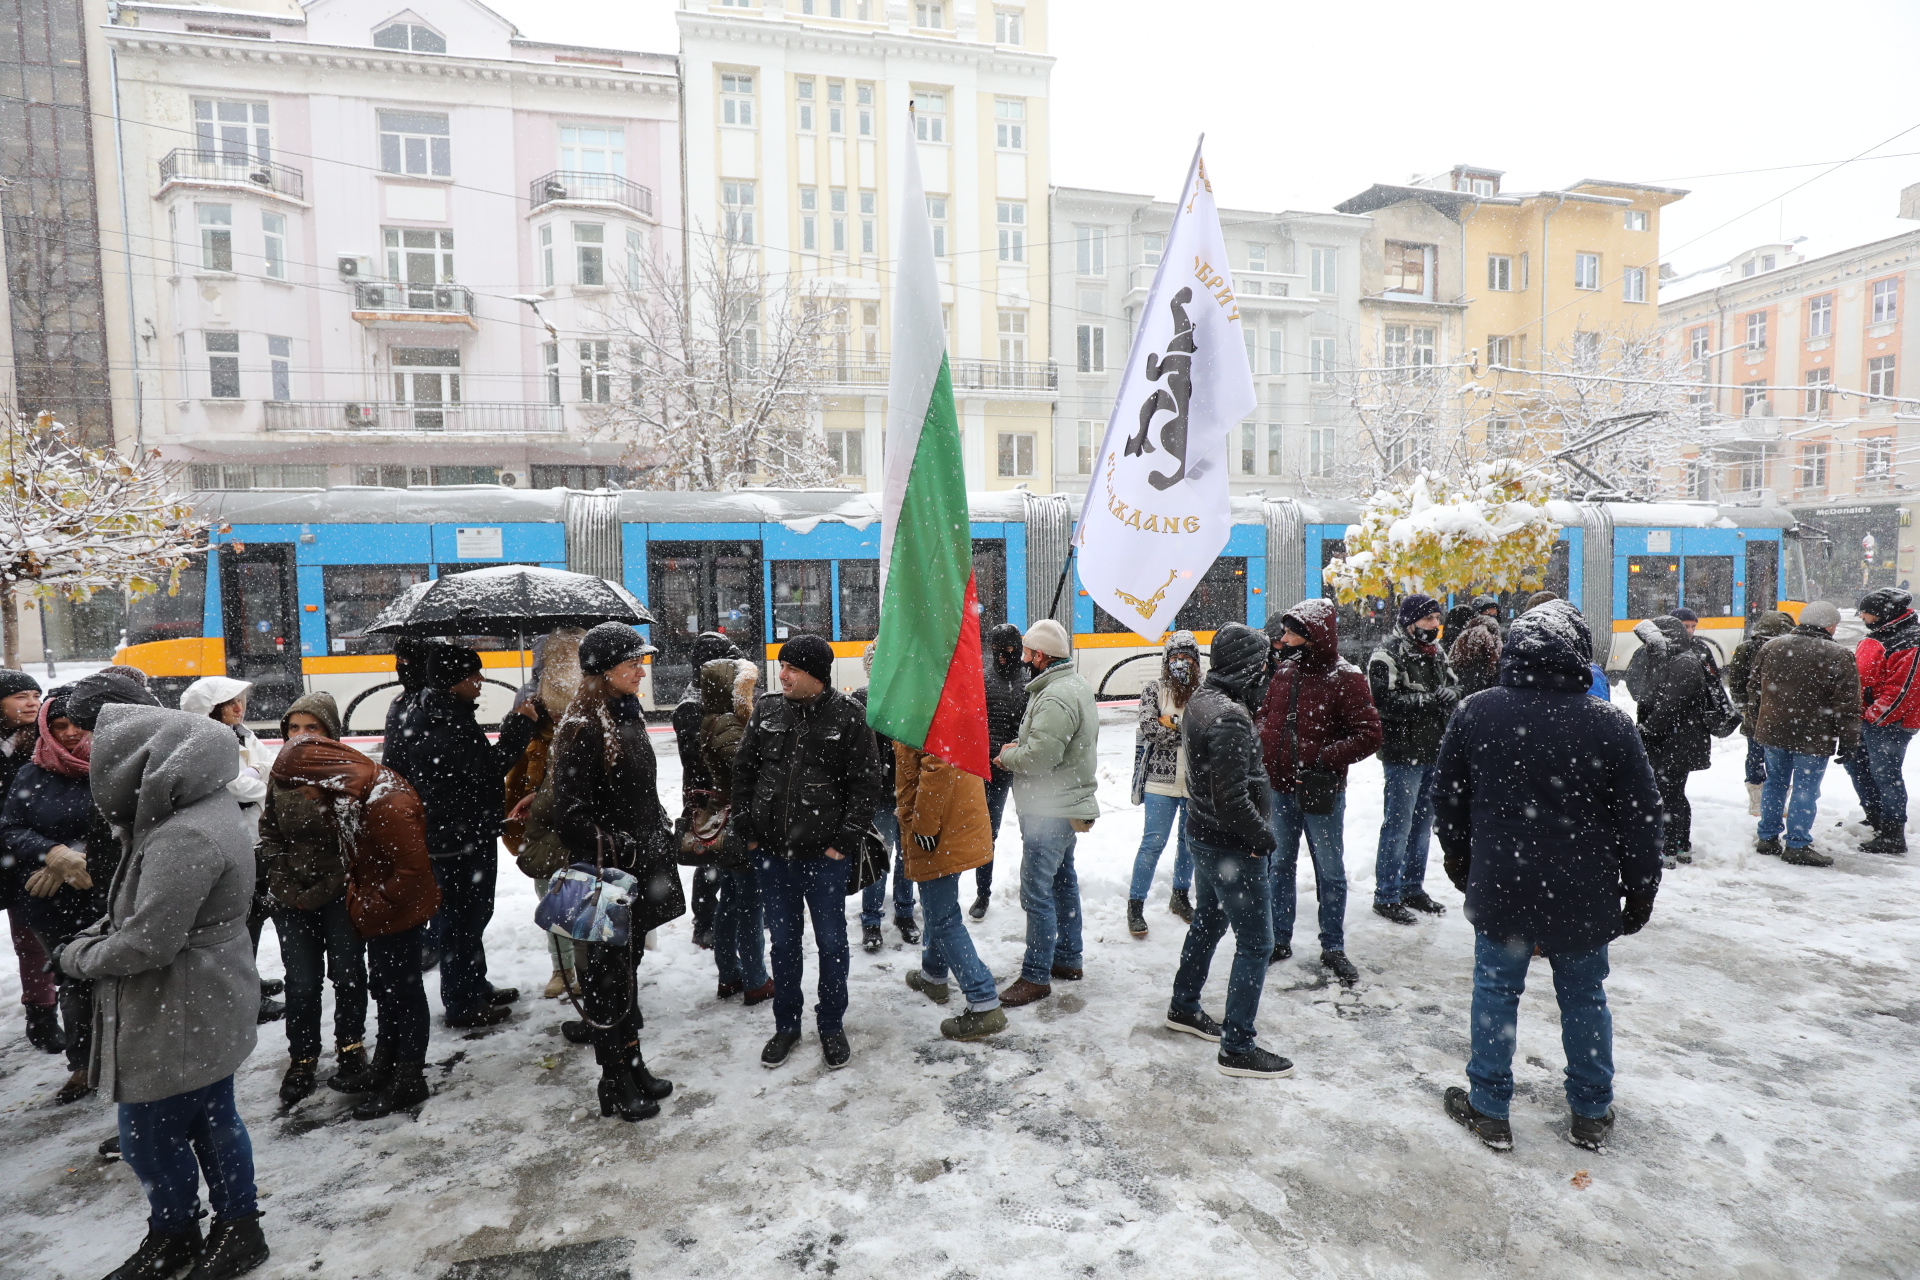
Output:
(909, 931)
(1181, 905)
(160, 1257)
(405, 1090)
(357, 1075)
(233, 1248)
(620, 1094)
(870, 939)
(649, 1085)
(1495, 1133)
(577, 1031)
(299, 1081)
(980, 904)
(43, 1029)
(1136, 917)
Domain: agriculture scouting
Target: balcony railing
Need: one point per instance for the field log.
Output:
(186, 164)
(397, 417)
(856, 372)
(394, 295)
(601, 188)
(1006, 375)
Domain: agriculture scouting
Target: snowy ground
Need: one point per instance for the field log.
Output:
(1767, 1024)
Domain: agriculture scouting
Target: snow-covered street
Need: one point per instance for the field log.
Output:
(1767, 1029)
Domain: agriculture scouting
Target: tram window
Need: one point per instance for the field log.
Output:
(990, 582)
(1763, 577)
(1558, 578)
(802, 599)
(1105, 623)
(694, 587)
(160, 616)
(355, 595)
(1220, 598)
(859, 599)
(1362, 626)
(1709, 584)
(1653, 586)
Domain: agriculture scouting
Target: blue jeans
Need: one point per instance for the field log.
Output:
(873, 898)
(1325, 842)
(1161, 812)
(815, 887)
(1406, 826)
(739, 931)
(1800, 775)
(466, 905)
(1756, 762)
(314, 945)
(1230, 890)
(169, 1143)
(1050, 895)
(997, 793)
(1586, 1028)
(948, 947)
(1877, 776)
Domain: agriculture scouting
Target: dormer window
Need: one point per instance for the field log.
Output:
(410, 36)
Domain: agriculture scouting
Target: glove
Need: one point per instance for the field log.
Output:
(53, 958)
(1447, 697)
(1457, 865)
(1634, 916)
(926, 843)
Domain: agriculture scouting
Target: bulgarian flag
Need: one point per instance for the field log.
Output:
(927, 689)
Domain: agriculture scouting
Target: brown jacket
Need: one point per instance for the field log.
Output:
(1804, 693)
(933, 798)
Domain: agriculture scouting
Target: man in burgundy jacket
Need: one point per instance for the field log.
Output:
(1317, 719)
(1890, 688)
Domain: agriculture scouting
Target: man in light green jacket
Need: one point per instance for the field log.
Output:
(1053, 764)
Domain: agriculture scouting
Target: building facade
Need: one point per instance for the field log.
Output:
(795, 129)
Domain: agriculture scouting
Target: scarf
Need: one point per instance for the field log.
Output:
(53, 757)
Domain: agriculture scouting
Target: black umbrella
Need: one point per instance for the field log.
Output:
(510, 601)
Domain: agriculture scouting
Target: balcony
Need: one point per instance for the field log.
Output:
(391, 304)
(367, 417)
(856, 371)
(589, 188)
(1006, 375)
(231, 169)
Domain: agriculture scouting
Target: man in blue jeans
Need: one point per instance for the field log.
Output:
(1803, 703)
(1230, 839)
(1053, 767)
(1547, 812)
(1415, 692)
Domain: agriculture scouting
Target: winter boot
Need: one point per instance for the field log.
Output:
(43, 1029)
(980, 904)
(1753, 799)
(1393, 911)
(299, 1081)
(1281, 951)
(487, 1016)
(620, 1095)
(161, 1257)
(1023, 992)
(649, 1085)
(1136, 917)
(576, 1031)
(938, 992)
(557, 985)
(1887, 840)
(1497, 1134)
(272, 986)
(759, 995)
(836, 1050)
(728, 990)
(1421, 902)
(909, 931)
(1806, 856)
(1342, 967)
(1181, 905)
(778, 1047)
(355, 1074)
(1591, 1133)
(74, 1089)
(1256, 1063)
(233, 1248)
(974, 1026)
(870, 939)
(407, 1089)
(1684, 855)
(503, 996)
(271, 1011)
(1068, 973)
(1772, 848)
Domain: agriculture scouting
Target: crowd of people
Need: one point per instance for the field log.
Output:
(142, 850)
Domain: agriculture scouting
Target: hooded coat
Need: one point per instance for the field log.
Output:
(1476, 654)
(1889, 672)
(1678, 701)
(249, 787)
(1007, 679)
(1766, 627)
(1803, 695)
(44, 808)
(726, 705)
(1415, 692)
(1544, 801)
(932, 798)
(1055, 757)
(1159, 763)
(1333, 722)
(687, 714)
(176, 994)
(1227, 786)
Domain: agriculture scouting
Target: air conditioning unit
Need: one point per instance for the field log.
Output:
(446, 299)
(377, 297)
(362, 415)
(554, 191)
(354, 267)
(508, 479)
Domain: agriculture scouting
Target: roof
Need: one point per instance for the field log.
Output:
(1676, 192)
(1381, 195)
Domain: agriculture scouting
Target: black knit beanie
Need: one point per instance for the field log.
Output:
(810, 654)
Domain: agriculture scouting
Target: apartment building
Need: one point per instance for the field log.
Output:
(1296, 279)
(795, 119)
(340, 213)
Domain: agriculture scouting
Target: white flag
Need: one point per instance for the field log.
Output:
(1156, 512)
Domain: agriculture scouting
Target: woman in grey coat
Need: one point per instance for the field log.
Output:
(175, 992)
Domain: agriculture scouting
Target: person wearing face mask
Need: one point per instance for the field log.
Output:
(1415, 691)
(1160, 780)
(1006, 678)
(19, 730)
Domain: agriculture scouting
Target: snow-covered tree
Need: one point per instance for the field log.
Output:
(1413, 417)
(75, 520)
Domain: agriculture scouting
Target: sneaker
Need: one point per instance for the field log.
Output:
(835, 1049)
(1772, 848)
(1495, 1133)
(776, 1050)
(1420, 901)
(1255, 1063)
(1683, 855)
(109, 1148)
(870, 939)
(938, 992)
(979, 908)
(909, 931)
(1342, 967)
(1591, 1133)
(1805, 856)
(759, 995)
(271, 1011)
(161, 1256)
(1181, 905)
(1668, 862)
(491, 1016)
(1281, 951)
(1394, 912)
(1136, 917)
(233, 1248)
(1194, 1024)
(974, 1026)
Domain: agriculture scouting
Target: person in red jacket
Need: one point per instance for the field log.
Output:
(1890, 690)
(1318, 718)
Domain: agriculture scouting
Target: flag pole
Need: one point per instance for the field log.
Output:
(1065, 568)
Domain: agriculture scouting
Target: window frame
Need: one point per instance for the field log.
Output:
(1090, 251)
(930, 121)
(1756, 326)
(1009, 447)
(737, 214)
(736, 99)
(1500, 272)
(436, 151)
(1090, 347)
(215, 224)
(1586, 271)
(1884, 301)
(1819, 392)
(1010, 228)
(1633, 284)
(1323, 268)
(1881, 372)
(1009, 27)
(222, 347)
(1820, 316)
(1010, 124)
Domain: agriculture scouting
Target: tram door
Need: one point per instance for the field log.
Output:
(259, 613)
(694, 587)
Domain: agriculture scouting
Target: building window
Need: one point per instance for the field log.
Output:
(1008, 25)
(410, 36)
(1880, 378)
(1274, 442)
(1699, 343)
(863, 99)
(809, 217)
(744, 346)
(1820, 316)
(223, 365)
(590, 253)
(1633, 284)
(1886, 301)
(546, 256)
(636, 256)
(1636, 219)
(930, 116)
(280, 366)
(1407, 268)
(1090, 250)
(273, 244)
(1013, 336)
(1319, 451)
(736, 4)
(1151, 247)
(216, 236)
(1499, 272)
(1586, 346)
(1249, 448)
(419, 257)
(1011, 218)
(1084, 445)
(1586, 271)
(1754, 402)
(1500, 437)
(1016, 454)
(1810, 471)
(1749, 472)
(1321, 359)
(1091, 343)
(596, 372)
(930, 14)
(416, 143)
(1408, 346)
(846, 448)
(869, 208)
(1819, 392)
(937, 218)
(1876, 457)
(837, 198)
(236, 133)
(1256, 257)
(1756, 331)
(593, 150)
(736, 99)
(1324, 269)
(1276, 351)
(1010, 124)
(550, 361)
(803, 92)
(1499, 351)
(736, 202)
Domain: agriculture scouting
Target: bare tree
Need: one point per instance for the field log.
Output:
(75, 520)
(722, 372)
(1413, 417)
